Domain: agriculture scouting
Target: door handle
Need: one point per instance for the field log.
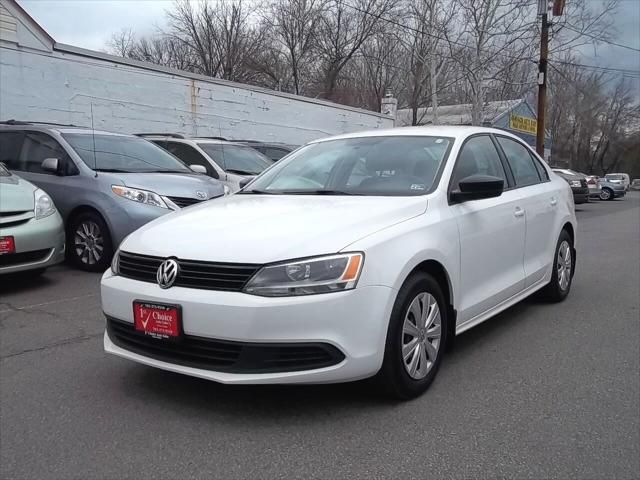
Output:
(519, 212)
(554, 202)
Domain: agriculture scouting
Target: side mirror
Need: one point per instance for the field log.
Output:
(50, 165)
(476, 187)
(198, 168)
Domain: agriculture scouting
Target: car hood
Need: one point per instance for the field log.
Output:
(172, 184)
(16, 194)
(262, 228)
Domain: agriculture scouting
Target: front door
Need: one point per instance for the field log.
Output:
(492, 234)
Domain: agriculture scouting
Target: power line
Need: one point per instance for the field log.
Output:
(631, 73)
(594, 37)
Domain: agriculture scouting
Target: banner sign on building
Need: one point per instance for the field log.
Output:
(523, 124)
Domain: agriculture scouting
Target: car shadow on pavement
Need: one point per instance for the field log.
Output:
(16, 282)
(174, 390)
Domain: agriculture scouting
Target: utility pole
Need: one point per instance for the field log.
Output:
(542, 80)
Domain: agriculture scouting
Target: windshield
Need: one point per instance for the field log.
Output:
(3, 171)
(236, 159)
(123, 154)
(399, 166)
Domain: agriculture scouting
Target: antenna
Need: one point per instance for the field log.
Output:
(93, 137)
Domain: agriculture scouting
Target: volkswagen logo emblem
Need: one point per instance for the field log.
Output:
(201, 195)
(167, 273)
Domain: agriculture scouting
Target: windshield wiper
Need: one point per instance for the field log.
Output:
(112, 170)
(168, 171)
(318, 192)
(241, 172)
(257, 192)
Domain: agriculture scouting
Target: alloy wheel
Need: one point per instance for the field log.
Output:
(605, 194)
(421, 334)
(88, 243)
(563, 265)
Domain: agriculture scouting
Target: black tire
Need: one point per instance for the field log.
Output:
(554, 291)
(79, 257)
(393, 377)
(606, 194)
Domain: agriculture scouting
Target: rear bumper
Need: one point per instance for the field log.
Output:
(39, 244)
(619, 193)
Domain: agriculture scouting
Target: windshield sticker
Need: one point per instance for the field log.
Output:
(418, 186)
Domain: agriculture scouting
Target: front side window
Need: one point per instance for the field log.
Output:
(520, 161)
(119, 153)
(10, 145)
(236, 158)
(190, 156)
(393, 166)
(478, 156)
(36, 147)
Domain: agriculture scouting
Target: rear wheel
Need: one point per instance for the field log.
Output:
(416, 338)
(90, 243)
(563, 268)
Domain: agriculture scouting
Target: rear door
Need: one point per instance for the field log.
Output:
(492, 233)
(539, 201)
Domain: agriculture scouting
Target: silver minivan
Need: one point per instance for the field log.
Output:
(105, 185)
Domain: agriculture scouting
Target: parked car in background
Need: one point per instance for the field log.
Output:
(621, 178)
(594, 187)
(368, 252)
(229, 162)
(635, 184)
(105, 185)
(274, 150)
(31, 229)
(611, 190)
(577, 182)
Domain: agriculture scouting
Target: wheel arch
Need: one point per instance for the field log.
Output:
(79, 210)
(438, 271)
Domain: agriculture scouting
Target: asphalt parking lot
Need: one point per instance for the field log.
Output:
(541, 391)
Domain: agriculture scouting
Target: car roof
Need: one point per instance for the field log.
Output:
(183, 139)
(47, 127)
(454, 131)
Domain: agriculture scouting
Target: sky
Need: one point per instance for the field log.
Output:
(91, 23)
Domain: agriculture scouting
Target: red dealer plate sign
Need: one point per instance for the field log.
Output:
(7, 245)
(157, 320)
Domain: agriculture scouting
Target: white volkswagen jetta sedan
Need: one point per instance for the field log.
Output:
(356, 256)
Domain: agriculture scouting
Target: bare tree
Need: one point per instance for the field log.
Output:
(343, 29)
(295, 25)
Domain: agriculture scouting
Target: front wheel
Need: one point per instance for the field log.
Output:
(606, 194)
(90, 243)
(416, 338)
(563, 269)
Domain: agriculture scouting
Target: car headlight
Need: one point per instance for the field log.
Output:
(575, 183)
(43, 204)
(115, 263)
(140, 196)
(332, 273)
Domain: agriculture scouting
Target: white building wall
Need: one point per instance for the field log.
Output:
(63, 85)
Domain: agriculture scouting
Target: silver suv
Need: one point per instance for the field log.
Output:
(230, 162)
(105, 185)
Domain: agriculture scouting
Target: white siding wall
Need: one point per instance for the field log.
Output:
(62, 86)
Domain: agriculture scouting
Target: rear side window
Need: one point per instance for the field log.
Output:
(522, 164)
(10, 145)
(541, 170)
(478, 157)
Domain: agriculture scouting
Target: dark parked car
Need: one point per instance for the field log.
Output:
(274, 150)
(577, 182)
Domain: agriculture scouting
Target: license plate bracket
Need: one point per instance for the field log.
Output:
(158, 320)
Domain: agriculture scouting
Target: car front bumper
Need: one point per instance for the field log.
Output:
(580, 195)
(354, 322)
(619, 193)
(38, 243)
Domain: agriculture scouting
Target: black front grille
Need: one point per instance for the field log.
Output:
(184, 201)
(583, 182)
(12, 259)
(225, 356)
(230, 277)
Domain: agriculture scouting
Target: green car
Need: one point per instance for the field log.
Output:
(31, 229)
